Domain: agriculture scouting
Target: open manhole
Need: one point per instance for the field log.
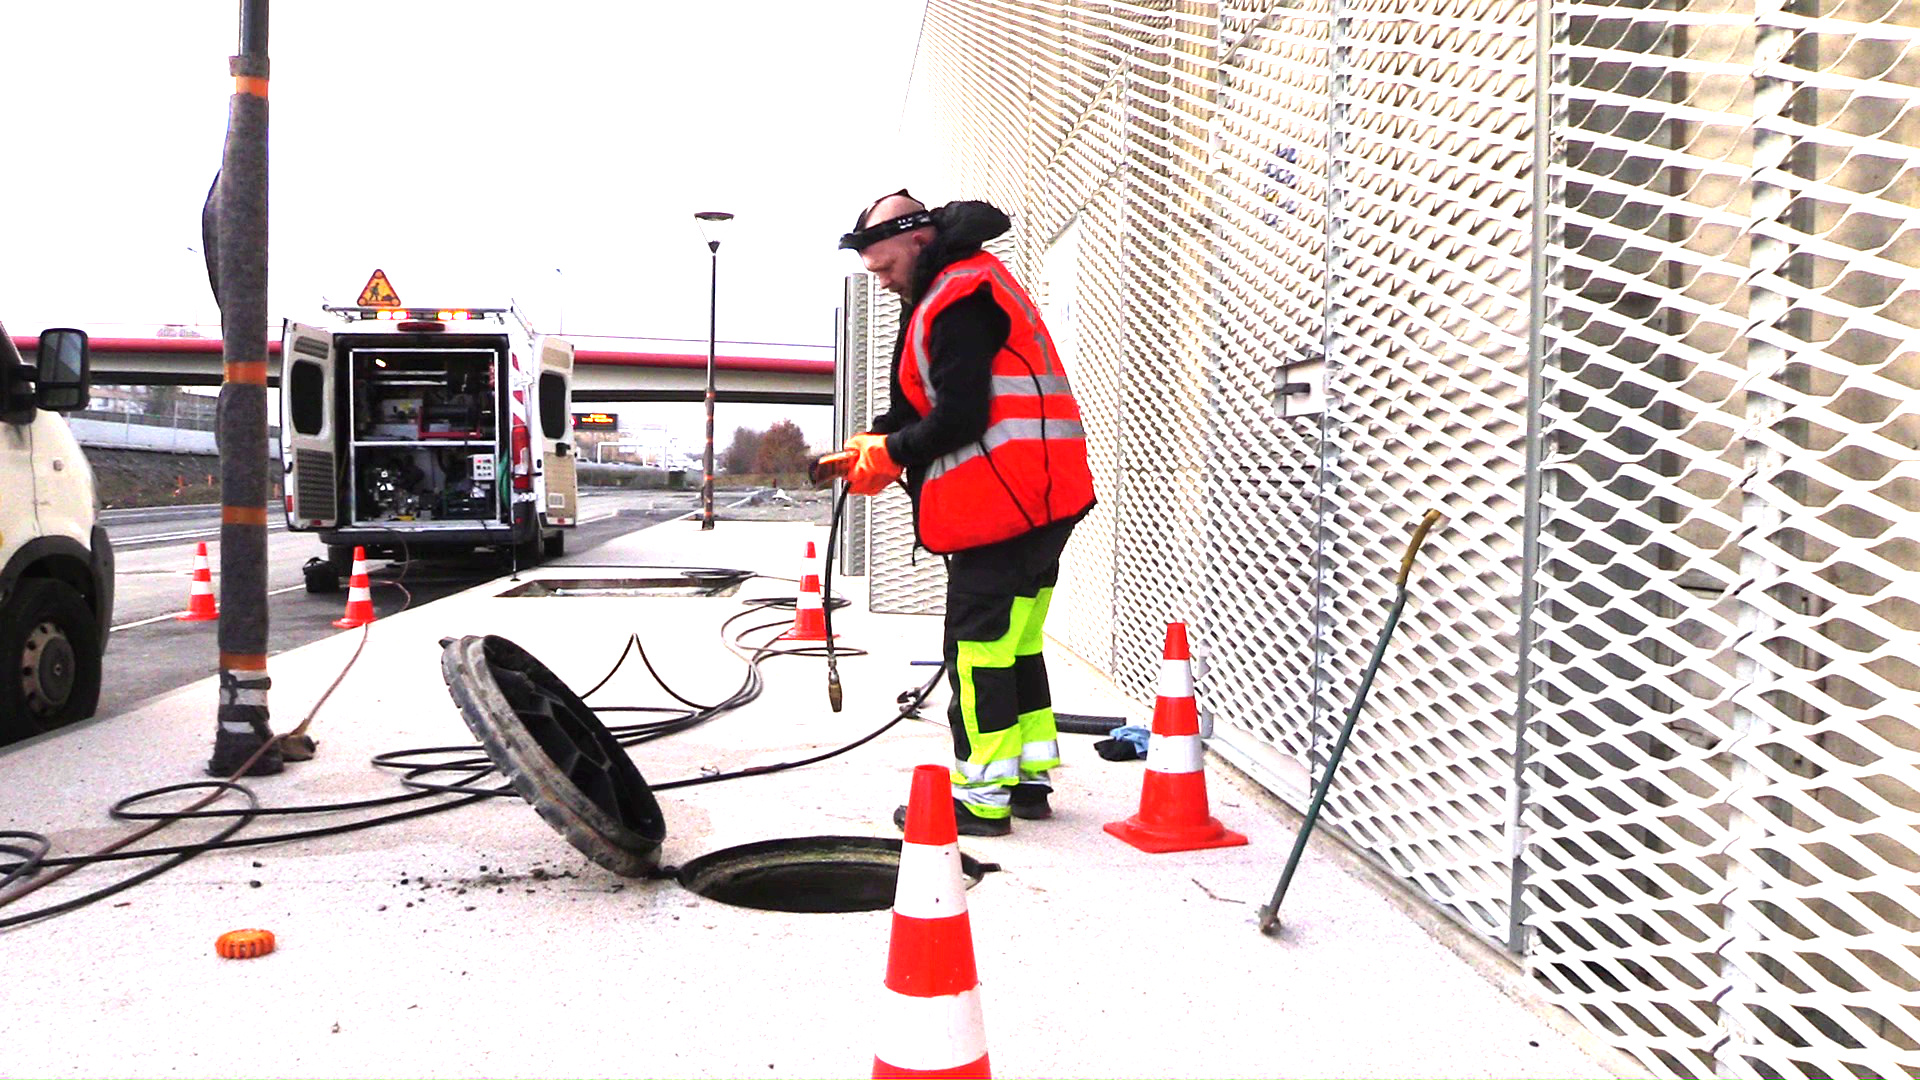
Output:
(690, 583)
(564, 761)
(808, 874)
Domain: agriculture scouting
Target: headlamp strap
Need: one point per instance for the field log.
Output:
(861, 239)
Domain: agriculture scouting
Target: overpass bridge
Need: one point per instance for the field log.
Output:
(664, 372)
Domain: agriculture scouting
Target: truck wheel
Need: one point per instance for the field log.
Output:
(554, 546)
(50, 645)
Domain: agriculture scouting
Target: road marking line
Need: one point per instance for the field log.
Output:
(153, 539)
(172, 614)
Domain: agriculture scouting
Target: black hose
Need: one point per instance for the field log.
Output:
(1078, 724)
(834, 696)
(182, 855)
(469, 761)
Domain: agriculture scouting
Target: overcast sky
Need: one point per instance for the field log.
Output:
(478, 151)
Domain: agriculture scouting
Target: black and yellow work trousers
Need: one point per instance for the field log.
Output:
(1002, 708)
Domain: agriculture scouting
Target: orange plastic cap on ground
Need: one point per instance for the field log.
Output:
(244, 944)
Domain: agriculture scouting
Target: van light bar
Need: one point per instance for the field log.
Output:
(406, 314)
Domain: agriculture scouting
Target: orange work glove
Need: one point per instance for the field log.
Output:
(875, 468)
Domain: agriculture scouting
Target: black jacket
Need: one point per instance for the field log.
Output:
(963, 340)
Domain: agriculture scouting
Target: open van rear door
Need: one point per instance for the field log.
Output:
(308, 436)
(555, 397)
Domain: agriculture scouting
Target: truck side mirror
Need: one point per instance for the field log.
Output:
(64, 370)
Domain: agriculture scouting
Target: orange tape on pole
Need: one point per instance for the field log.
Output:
(252, 372)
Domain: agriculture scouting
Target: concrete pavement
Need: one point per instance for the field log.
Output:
(478, 942)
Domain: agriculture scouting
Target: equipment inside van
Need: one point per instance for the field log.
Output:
(415, 432)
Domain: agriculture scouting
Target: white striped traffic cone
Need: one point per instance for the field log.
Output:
(1173, 796)
(809, 614)
(931, 1023)
(200, 605)
(359, 595)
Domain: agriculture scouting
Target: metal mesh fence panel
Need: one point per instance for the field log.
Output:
(1163, 429)
(1723, 846)
(1426, 402)
(1653, 719)
(1267, 313)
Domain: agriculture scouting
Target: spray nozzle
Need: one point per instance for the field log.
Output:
(829, 467)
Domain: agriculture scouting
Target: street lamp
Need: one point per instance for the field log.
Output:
(712, 223)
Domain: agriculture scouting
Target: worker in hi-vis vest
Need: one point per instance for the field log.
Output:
(987, 434)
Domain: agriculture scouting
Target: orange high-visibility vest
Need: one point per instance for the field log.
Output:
(1029, 468)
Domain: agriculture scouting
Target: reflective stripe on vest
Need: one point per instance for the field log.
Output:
(1003, 433)
(1017, 385)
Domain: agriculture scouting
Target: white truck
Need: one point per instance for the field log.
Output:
(56, 565)
(424, 431)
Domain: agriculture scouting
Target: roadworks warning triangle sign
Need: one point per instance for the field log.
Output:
(379, 292)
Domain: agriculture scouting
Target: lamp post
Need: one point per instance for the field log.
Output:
(712, 224)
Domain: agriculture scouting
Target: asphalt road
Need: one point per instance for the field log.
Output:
(151, 652)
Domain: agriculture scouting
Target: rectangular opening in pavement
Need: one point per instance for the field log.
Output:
(623, 586)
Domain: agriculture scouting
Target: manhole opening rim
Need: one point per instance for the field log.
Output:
(716, 869)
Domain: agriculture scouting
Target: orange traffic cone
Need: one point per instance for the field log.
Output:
(359, 595)
(1173, 797)
(200, 605)
(931, 1024)
(809, 616)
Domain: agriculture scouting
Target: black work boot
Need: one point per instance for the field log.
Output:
(1029, 801)
(965, 821)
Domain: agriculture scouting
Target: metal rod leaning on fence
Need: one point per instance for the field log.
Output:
(1269, 917)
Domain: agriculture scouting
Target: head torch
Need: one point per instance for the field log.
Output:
(862, 239)
(866, 235)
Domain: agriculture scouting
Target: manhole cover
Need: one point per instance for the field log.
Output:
(555, 752)
(808, 874)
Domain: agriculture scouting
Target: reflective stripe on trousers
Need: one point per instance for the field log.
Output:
(1002, 710)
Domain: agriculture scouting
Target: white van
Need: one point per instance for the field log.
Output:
(418, 431)
(56, 566)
